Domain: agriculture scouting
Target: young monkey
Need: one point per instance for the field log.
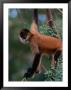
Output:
(40, 44)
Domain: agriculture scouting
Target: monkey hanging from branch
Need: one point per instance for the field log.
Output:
(40, 44)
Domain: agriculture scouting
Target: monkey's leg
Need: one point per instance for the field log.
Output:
(56, 56)
(35, 65)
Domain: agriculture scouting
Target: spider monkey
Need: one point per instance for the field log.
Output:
(40, 44)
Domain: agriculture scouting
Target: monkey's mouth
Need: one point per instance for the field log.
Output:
(21, 40)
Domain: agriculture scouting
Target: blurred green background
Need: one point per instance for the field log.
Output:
(20, 55)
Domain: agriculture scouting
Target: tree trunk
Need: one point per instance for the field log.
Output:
(49, 18)
(50, 21)
(35, 16)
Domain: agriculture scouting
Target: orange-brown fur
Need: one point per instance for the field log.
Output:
(44, 43)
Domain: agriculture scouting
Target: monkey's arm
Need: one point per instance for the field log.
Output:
(34, 46)
(35, 65)
(36, 62)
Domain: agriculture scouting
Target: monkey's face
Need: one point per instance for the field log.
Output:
(24, 35)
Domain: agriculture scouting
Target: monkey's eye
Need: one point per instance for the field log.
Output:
(23, 35)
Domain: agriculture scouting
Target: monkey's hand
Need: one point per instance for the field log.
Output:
(29, 73)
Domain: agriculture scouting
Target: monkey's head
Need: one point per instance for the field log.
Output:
(24, 35)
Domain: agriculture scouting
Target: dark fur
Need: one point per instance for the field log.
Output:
(23, 33)
(58, 53)
(35, 65)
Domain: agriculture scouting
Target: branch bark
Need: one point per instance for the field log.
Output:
(49, 18)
